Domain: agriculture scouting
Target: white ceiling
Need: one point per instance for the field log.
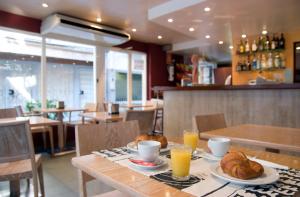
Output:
(227, 19)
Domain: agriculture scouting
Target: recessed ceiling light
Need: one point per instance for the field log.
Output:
(206, 9)
(191, 29)
(244, 36)
(45, 5)
(98, 19)
(230, 47)
(159, 37)
(297, 48)
(207, 36)
(170, 20)
(221, 42)
(134, 30)
(264, 32)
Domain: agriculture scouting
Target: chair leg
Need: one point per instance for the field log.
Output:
(28, 183)
(44, 140)
(14, 188)
(65, 133)
(41, 179)
(51, 140)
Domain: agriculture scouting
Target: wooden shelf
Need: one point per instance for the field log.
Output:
(260, 70)
(258, 52)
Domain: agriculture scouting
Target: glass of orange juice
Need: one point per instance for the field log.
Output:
(190, 138)
(180, 162)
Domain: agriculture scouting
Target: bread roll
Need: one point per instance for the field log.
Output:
(237, 165)
(162, 139)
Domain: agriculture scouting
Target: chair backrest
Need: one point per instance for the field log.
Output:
(145, 119)
(8, 113)
(15, 141)
(210, 122)
(91, 107)
(19, 111)
(92, 137)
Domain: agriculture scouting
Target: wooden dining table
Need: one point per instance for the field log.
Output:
(133, 183)
(278, 138)
(101, 117)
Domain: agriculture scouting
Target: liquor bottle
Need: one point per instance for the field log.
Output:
(282, 62)
(263, 62)
(267, 43)
(239, 66)
(270, 61)
(247, 46)
(242, 47)
(260, 44)
(248, 63)
(281, 42)
(254, 46)
(273, 43)
(277, 61)
(258, 63)
(254, 63)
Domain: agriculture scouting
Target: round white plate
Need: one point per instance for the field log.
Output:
(159, 162)
(133, 147)
(270, 175)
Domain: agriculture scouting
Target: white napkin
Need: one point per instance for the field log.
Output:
(269, 164)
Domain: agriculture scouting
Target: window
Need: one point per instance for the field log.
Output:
(117, 76)
(19, 69)
(69, 72)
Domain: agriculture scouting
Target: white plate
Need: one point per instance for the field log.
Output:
(160, 163)
(270, 175)
(133, 147)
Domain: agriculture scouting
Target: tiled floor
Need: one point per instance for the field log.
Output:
(60, 179)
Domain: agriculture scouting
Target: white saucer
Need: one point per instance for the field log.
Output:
(269, 176)
(159, 162)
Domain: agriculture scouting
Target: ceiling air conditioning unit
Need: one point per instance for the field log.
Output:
(58, 25)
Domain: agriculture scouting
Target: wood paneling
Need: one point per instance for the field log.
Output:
(263, 107)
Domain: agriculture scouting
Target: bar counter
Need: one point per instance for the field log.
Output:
(276, 105)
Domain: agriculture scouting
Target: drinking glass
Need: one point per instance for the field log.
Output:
(190, 138)
(180, 162)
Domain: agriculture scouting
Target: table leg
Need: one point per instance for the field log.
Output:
(60, 132)
(14, 187)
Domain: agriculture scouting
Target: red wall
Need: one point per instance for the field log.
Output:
(157, 74)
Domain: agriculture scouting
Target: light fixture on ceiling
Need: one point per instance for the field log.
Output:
(159, 37)
(170, 20)
(134, 30)
(221, 42)
(264, 32)
(244, 36)
(297, 48)
(98, 19)
(206, 9)
(191, 29)
(45, 5)
(207, 36)
(230, 47)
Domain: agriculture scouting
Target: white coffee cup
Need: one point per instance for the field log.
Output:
(148, 150)
(219, 146)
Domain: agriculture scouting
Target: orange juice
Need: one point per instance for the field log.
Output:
(191, 139)
(180, 162)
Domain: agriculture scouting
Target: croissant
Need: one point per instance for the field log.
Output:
(162, 139)
(237, 165)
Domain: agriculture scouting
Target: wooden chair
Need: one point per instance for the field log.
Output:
(210, 122)
(145, 119)
(39, 129)
(92, 137)
(8, 113)
(89, 107)
(159, 115)
(17, 158)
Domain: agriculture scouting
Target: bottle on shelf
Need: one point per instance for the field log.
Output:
(270, 61)
(267, 43)
(239, 66)
(281, 42)
(258, 63)
(273, 43)
(247, 46)
(254, 63)
(241, 47)
(248, 63)
(260, 44)
(263, 62)
(254, 46)
(277, 42)
(282, 61)
(277, 61)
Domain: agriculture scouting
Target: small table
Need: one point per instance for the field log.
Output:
(132, 106)
(136, 184)
(60, 118)
(280, 138)
(101, 117)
